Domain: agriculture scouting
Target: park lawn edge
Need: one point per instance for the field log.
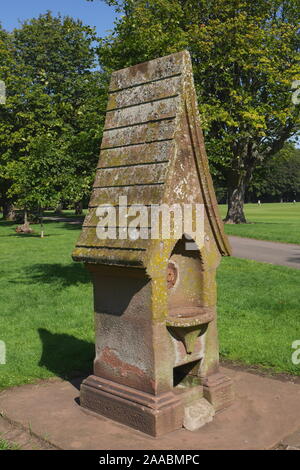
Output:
(48, 310)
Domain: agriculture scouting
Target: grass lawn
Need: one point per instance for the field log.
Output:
(46, 308)
(275, 222)
(259, 313)
(278, 222)
(46, 305)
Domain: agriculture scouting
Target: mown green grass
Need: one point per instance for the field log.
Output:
(276, 222)
(46, 305)
(259, 313)
(46, 308)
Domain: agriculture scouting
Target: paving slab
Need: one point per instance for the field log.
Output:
(292, 442)
(264, 413)
(21, 438)
(283, 254)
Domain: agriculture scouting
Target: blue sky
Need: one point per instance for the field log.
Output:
(96, 14)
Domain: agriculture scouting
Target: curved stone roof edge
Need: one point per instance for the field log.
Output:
(211, 204)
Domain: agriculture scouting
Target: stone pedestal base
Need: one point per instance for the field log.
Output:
(218, 390)
(154, 415)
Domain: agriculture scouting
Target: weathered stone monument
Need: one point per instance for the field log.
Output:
(157, 357)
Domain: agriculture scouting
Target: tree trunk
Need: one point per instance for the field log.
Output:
(236, 196)
(78, 208)
(58, 210)
(8, 211)
(245, 157)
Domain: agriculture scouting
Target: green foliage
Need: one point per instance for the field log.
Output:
(11, 114)
(280, 176)
(274, 180)
(56, 50)
(245, 57)
(52, 122)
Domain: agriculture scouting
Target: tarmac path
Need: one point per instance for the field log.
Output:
(284, 254)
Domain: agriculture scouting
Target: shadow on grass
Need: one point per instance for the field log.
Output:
(6, 223)
(70, 225)
(66, 356)
(69, 275)
(259, 223)
(63, 215)
(37, 228)
(55, 273)
(29, 235)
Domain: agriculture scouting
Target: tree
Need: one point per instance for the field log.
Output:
(59, 121)
(7, 65)
(279, 179)
(18, 123)
(245, 57)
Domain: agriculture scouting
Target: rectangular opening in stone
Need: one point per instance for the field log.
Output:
(186, 375)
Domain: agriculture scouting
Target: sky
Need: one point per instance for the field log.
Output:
(95, 13)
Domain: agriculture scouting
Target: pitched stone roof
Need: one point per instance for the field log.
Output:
(144, 122)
